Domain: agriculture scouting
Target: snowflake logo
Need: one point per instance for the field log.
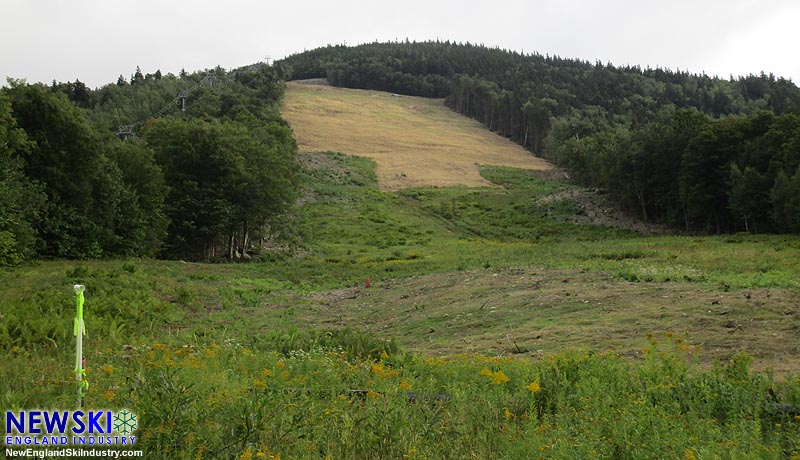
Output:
(125, 422)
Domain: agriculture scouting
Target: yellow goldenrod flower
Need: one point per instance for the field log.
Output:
(198, 455)
(500, 378)
(689, 454)
(497, 378)
(247, 455)
(534, 387)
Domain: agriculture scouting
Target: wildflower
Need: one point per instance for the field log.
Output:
(500, 378)
(384, 355)
(198, 455)
(247, 455)
(534, 387)
(109, 395)
(508, 414)
(373, 394)
(689, 454)
(404, 385)
(497, 378)
(280, 364)
(107, 368)
(266, 373)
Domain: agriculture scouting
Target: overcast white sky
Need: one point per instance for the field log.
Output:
(97, 40)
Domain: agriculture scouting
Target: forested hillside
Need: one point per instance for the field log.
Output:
(696, 152)
(192, 166)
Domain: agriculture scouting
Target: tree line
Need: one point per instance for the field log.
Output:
(201, 184)
(692, 151)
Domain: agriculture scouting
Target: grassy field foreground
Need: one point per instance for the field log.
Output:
(494, 327)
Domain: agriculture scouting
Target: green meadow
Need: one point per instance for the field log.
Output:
(449, 322)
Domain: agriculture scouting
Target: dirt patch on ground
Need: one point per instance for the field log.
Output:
(532, 312)
(414, 141)
(322, 161)
(594, 208)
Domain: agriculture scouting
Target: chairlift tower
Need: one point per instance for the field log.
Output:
(182, 101)
(125, 131)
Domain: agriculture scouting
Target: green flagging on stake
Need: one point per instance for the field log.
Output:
(79, 330)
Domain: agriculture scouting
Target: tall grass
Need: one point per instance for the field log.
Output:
(211, 359)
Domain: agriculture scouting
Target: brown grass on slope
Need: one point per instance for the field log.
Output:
(414, 141)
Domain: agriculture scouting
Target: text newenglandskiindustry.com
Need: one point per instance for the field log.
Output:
(70, 452)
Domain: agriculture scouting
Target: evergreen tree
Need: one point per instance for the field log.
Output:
(137, 76)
